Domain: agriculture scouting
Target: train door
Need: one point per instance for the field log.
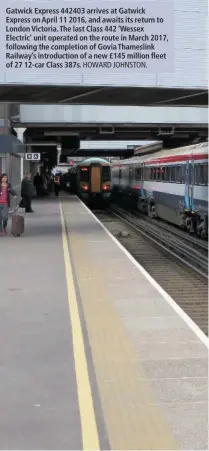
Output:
(119, 177)
(189, 183)
(191, 187)
(130, 179)
(95, 179)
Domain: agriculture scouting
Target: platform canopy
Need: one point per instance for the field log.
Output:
(104, 95)
(10, 144)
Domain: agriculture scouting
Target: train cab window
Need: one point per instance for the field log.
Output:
(105, 173)
(84, 174)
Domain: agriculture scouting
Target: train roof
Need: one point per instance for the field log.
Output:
(196, 149)
(94, 160)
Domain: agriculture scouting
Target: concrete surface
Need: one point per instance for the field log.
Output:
(147, 369)
(38, 397)
(151, 369)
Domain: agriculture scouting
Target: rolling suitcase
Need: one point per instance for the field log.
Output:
(18, 224)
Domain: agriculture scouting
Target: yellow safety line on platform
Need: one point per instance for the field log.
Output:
(89, 430)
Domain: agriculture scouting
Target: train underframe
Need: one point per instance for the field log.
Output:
(193, 222)
(96, 200)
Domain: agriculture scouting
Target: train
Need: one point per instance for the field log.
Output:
(169, 184)
(91, 180)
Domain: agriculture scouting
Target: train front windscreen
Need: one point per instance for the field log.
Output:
(84, 174)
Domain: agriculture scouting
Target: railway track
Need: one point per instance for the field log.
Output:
(190, 250)
(178, 265)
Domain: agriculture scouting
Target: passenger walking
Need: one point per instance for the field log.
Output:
(27, 192)
(5, 191)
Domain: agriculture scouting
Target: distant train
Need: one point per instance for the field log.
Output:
(91, 179)
(169, 184)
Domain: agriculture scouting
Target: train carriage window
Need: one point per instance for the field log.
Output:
(138, 173)
(196, 174)
(201, 174)
(183, 173)
(162, 171)
(206, 173)
(158, 176)
(179, 174)
(167, 174)
(153, 173)
(173, 174)
(147, 174)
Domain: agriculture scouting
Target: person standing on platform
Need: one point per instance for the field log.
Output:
(27, 192)
(5, 191)
(38, 183)
(57, 184)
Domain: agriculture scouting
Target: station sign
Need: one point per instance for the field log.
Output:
(32, 156)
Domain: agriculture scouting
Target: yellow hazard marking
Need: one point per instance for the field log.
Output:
(133, 416)
(89, 430)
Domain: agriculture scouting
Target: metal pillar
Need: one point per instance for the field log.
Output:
(7, 126)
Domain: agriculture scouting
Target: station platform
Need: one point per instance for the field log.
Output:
(94, 355)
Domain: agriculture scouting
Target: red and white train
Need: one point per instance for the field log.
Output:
(169, 184)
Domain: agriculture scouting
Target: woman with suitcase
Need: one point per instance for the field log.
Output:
(5, 191)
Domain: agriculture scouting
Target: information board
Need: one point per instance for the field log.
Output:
(83, 37)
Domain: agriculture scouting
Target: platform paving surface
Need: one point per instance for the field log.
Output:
(147, 369)
(38, 398)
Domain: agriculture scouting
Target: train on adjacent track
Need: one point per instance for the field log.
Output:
(169, 184)
(91, 180)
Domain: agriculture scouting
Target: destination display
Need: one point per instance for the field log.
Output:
(83, 37)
